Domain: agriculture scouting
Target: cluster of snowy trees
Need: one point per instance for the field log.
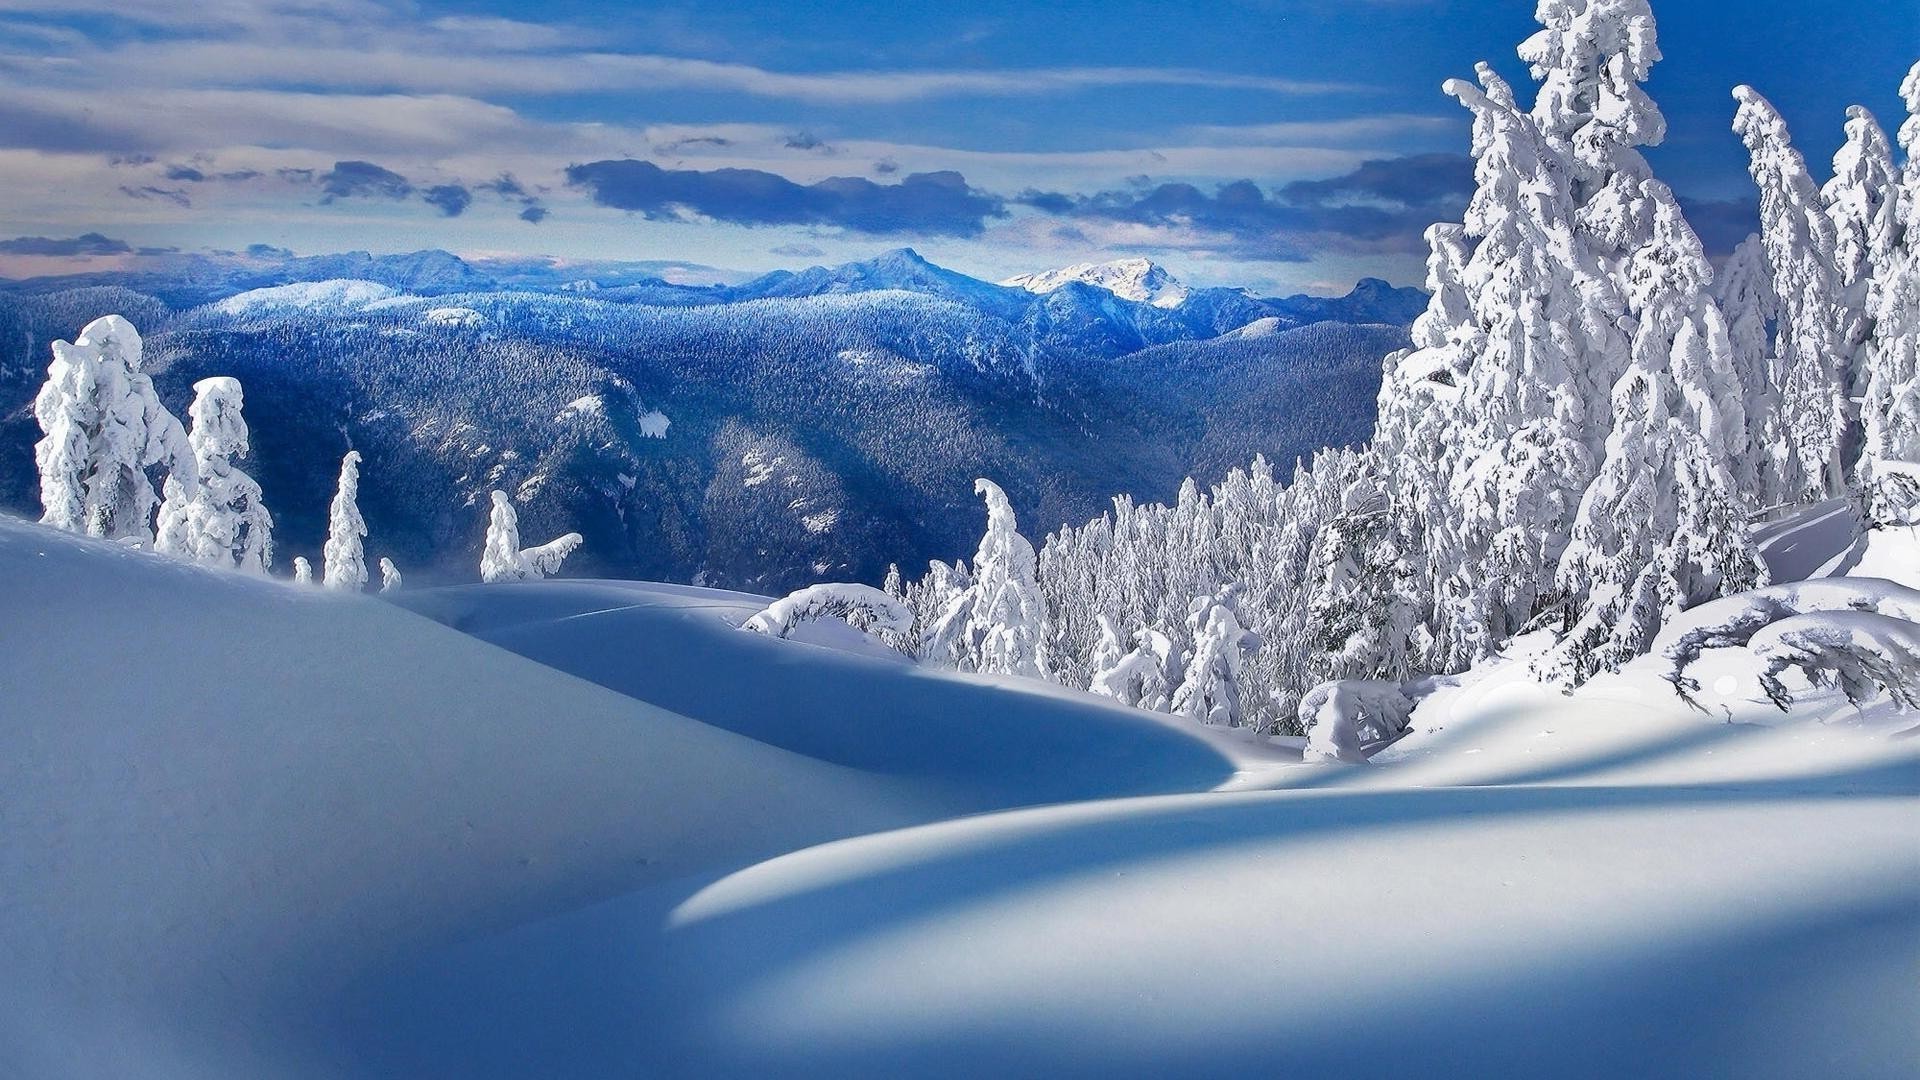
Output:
(108, 439)
(1587, 421)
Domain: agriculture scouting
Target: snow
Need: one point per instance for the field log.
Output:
(1140, 280)
(337, 295)
(654, 425)
(649, 844)
(452, 316)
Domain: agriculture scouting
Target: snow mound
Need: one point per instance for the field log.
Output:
(262, 791)
(1140, 280)
(1258, 328)
(331, 296)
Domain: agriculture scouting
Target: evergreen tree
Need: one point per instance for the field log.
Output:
(344, 561)
(1890, 467)
(1811, 433)
(104, 430)
(216, 515)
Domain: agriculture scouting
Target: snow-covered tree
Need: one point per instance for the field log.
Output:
(1210, 690)
(1533, 399)
(1661, 527)
(1810, 435)
(389, 576)
(1345, 717)
(302, 570)
(503, 559)
(1744, 291)
(1860, 200)
(1890, 409)
(104, 430)
(1139, 677)
(1591, 57)
(997, 624)
(215, 516)
(344, 559)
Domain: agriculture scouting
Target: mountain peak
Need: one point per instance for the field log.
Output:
(1141, 280)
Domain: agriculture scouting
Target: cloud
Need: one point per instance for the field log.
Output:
(797, 251)
(807, 140)
(1424, 180)
(534, 213)
(145, 193)
(357, 179)
(935, 204)
(85, 244)
(268, 251)
(185, 173)
(451, 199)
(1379, 207)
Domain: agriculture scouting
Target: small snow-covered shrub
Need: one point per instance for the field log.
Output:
(862, 606)
(1344, 717)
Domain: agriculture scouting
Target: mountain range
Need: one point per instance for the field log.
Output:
(762, 434)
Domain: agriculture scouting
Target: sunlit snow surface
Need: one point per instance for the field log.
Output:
(309, 835)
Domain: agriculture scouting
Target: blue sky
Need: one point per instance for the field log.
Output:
(1279, 145)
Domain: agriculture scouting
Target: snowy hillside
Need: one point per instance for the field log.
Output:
(738, 854)
(1140, 280)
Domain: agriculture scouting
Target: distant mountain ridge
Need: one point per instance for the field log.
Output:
(797, 427)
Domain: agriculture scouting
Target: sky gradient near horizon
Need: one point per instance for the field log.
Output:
(1283, 146)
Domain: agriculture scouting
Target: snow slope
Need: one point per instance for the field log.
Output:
(405, 851)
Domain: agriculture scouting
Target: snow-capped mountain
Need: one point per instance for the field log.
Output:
(1140, 280)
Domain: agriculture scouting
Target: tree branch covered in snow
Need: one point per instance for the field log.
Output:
(862, 606)
(1857, 632)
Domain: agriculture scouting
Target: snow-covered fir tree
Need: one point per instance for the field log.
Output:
(1890, 407)
(1810, 434)
(995, 625)
(390, 580)
(1210, 689)
(503, 559)
(104, 431)
(344, 559)
(302, 570)
(215, 516)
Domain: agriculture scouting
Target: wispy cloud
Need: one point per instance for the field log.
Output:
(85, 244)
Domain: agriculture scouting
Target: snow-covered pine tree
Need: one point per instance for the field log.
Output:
(302, 570)
(1809, 438)
(104, 429)
(503, 559)
(1634, 555)
(216, 515)
(1139, 677)
(1528, 447)
(1860, 200)
(1210, 690)
(1744, 291)
(1590, 58)
(1890, 410)
(389, 576)
(344, 560)
(1006, 631)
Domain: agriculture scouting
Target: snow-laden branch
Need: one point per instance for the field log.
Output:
(1345, 717)
(1861, 652)
(1856, 632)
(862, 606)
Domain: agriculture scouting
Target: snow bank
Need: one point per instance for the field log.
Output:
(291, 786)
